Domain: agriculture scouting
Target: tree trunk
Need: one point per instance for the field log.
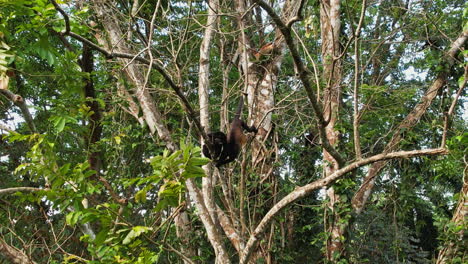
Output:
(134, 73)
(210, 217)
(260, 67)
(203, 96)
(330, 30)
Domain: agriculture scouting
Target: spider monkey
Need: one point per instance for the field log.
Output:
(218, 140)
(227, 148)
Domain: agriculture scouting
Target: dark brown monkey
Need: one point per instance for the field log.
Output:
(226, 149)
(218, 140)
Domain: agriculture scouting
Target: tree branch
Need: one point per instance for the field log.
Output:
(15, 255)
(361, 196)
(449, 113)
(357, 33)
(20, 189)
(301, 192)
(19, 101)
(304, 77)
(65, 16)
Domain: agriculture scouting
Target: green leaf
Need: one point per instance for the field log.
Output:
(65, 168)
(134, 233)
(199, 161)
(161, 205)
(59, 123)
(72, 218)
(140, 196)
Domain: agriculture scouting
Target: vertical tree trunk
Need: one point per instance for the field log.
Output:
(203, 87)
(330, 30)
(260, 80)
(213, 235)
(95, 128)
(210, 216)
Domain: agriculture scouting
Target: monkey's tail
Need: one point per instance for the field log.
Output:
(239, 108)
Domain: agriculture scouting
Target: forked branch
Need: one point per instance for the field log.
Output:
(304, 77)
(301, 192)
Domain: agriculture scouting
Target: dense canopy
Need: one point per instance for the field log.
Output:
(355, 149)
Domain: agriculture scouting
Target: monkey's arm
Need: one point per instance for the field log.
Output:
(206, 151)
(220, 163)
(229, 154)
(248, 128)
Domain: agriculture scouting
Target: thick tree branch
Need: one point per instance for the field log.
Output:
(304, 77)
(13, 254)
(152, 115)
(20, 189)
(65, 16)
(303, 191)
(357, 33)
(203, 96)
(18, 100)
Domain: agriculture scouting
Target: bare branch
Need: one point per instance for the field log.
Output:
(301, 192)
(180, 254)
(20, 189)
(449, 114)
(357, 141)
(304, 77)
(65, 16)
(298, 17)
(18, 100)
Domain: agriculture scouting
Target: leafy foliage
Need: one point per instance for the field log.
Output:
(111, 190)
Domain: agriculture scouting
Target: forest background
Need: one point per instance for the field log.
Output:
(360, 154)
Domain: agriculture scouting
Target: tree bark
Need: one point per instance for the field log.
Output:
(213, 235)
(260, 68)
(18, 100)
(330, 24)
(203, 96)
(209, 216)
(13, 254)
(95, 127)
(134, 73)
